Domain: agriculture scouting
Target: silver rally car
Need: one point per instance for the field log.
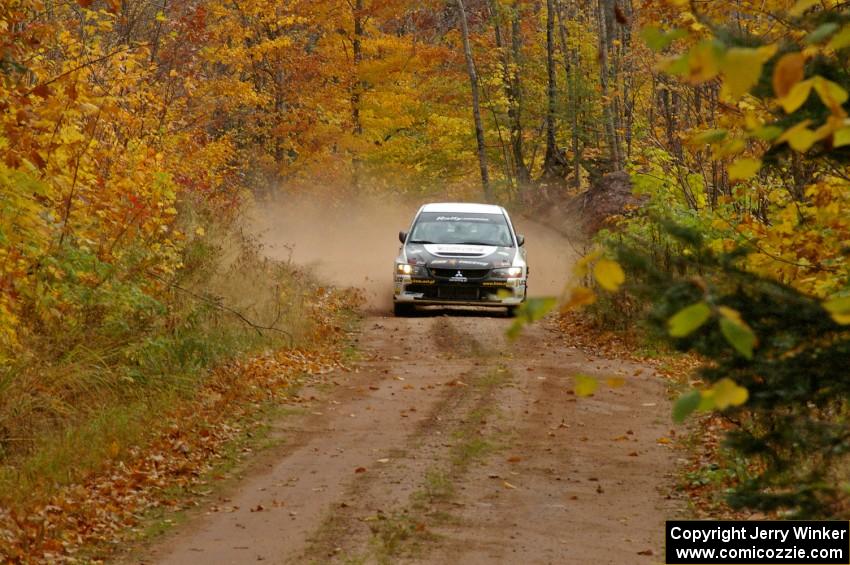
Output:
(459, 254)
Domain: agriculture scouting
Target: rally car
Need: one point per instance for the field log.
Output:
(460, 254)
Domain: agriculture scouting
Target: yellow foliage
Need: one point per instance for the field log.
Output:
(744, 169)
(787, 73)
(609, 274)
(742, 69)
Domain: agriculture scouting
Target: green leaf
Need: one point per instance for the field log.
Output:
(658, 39)
(737, 332)
(685, 405)
(688, 319)
(821, 33)
(677, 66)
(841, 39)
(839, 309)
(515, 329)
(706, 401)
(534, 309)
(709, 137)
(584, 385)
(767, 133)
(529, 312)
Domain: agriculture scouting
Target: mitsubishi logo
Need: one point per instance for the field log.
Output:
(458, 277)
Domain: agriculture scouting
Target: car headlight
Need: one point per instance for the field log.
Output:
(507, 273)
(413, 270)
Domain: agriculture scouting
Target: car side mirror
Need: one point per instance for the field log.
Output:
(520, 240)
(402, 235)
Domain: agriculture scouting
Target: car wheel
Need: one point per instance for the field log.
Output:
(402, 310)
(511, 311)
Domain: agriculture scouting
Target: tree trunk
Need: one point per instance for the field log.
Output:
(495, 14)
(554, 162)
(515, 102)
(571, 69)
(356, 89)
(476, 108)
(608, 117)
(628, 80)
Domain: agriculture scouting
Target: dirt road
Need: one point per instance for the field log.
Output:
(448, 444)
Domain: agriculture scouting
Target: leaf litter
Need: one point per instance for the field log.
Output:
(89, 521)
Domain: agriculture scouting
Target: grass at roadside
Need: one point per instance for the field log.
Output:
(92, 439)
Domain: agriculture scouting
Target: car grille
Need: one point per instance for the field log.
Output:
(458, 292)
(450, 292)
(468, 273)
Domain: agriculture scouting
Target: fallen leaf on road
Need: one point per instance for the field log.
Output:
(615, 382)
(360, 470)
(506, 484)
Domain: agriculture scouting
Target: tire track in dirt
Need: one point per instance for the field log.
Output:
(472, 449)
(381, 511)
(588, 479)
(368, 416)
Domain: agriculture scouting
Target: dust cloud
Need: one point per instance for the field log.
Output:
(551, 256)
(354, 243)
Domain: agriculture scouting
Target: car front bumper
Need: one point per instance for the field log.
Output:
(435, 291)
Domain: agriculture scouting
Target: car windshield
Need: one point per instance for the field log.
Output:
(461, 228)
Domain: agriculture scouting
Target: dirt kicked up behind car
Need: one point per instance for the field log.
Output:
(460, 254)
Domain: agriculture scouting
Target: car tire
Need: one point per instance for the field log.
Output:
(511, 311)
(402, 310)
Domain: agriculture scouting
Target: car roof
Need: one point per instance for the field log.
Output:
(468, 207)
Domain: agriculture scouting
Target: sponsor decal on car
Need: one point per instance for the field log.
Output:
(461, 219)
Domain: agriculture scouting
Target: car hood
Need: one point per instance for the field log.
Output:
(460, 256)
